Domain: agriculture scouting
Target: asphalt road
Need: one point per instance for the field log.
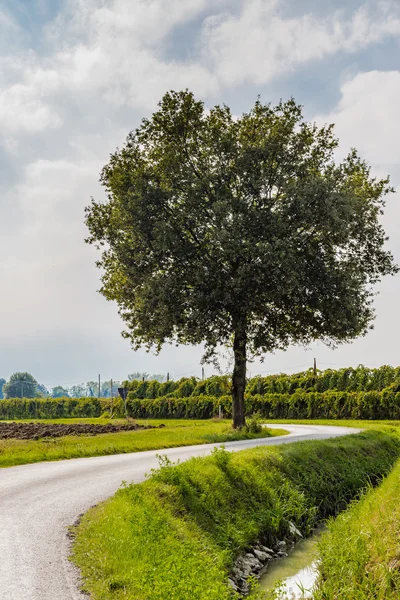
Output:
(39, 501)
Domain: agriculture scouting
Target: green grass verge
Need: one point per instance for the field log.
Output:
(360, 555)
(175, 433)
(177, 535)
(392, 424)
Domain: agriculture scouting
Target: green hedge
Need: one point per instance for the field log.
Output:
(300, 405)
(217, 385)
(345, 380)
(327, 405)
(194, 407)
(57, 408)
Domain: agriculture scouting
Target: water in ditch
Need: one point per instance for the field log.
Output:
(297, 572)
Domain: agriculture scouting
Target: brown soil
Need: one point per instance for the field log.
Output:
(34, 431)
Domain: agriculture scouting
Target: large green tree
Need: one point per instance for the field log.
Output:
(2, 382)
(21, 385)
(238, 231)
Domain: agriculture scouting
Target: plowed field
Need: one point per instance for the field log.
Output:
(35, 431)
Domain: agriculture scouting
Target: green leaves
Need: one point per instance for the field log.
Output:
(21, 385)
(210, 218)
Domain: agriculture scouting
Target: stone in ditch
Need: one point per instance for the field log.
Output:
(267, 550)
(280, 545)
(233, 585)
(263, 556)
(294, 531)
(236, 573)
(253, 561)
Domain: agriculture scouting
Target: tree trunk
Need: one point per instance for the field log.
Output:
(239, 375)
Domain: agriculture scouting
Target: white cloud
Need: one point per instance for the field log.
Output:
(259, 44)
(22, 109)
(367, 117)
(104, 67)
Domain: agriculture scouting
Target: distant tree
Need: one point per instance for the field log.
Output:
(92, 388)
(43, 391)
(2, 382)
(106, 388)
(59, 392)
(78, 391)
(147, 377)
(240, 232)
(21, 385)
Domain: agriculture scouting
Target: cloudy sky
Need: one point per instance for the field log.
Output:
(77, 75)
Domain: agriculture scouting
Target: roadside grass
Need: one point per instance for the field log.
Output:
(176, 535)
(175, 433)
(360, 554)
(358, 423)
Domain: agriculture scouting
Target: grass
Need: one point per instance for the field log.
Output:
(358, 423)
(360, 556)
(176, 433)
(177, 535)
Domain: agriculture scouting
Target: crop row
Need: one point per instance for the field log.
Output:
(348, 380)
(299, 405)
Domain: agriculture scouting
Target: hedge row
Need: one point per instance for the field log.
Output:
(218, 385)
(56, 408)
(300, 405)
(360, 379)
(349, 380)
(194, 407)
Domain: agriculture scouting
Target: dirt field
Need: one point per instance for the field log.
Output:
(35, 431)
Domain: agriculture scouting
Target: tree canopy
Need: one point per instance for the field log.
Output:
(2, 382)
(146, 376)
(238, 231)
(60, 392)
(21, 385)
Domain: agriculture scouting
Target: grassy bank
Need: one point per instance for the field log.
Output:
(360, 556)
(177, 535)
(175, 433)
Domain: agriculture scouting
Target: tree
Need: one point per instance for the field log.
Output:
(59, 392)
(78, 391)
(147, 377)
(21, 385)
(92, 388)
(43, 391)
(238, 231)
(2, 382)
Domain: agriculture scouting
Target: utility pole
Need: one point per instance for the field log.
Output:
(111, 399)
(167, 376)
(99, 386)
(202, 373)
(315, 367)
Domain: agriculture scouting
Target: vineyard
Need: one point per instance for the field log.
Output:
(352, 393)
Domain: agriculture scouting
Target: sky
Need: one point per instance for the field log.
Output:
(77, 75)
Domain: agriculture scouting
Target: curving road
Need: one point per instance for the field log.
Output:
(39, 501)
